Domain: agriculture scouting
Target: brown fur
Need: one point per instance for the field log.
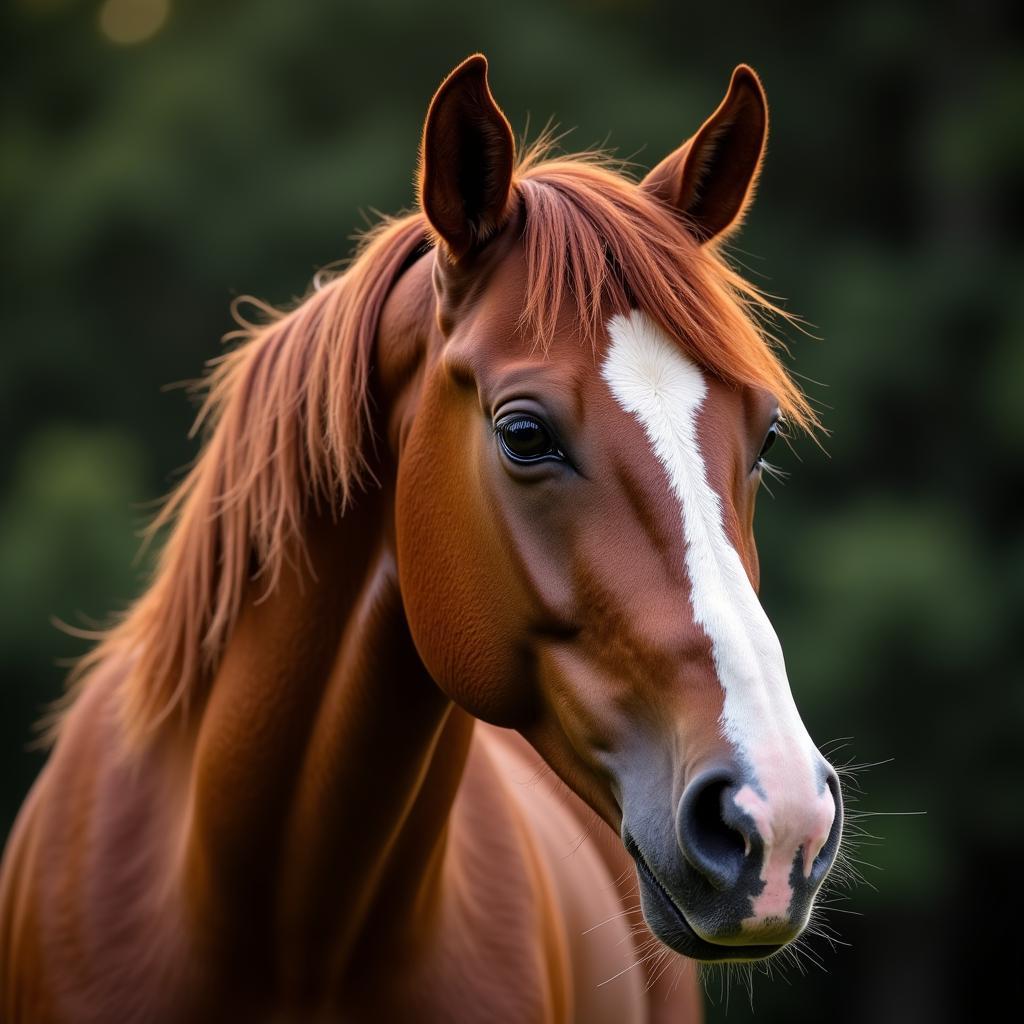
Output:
(288, 408)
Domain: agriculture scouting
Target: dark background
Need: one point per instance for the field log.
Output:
(238, 146)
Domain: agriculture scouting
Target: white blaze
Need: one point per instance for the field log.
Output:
(654, 380)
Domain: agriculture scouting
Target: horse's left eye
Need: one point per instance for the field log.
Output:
(525, 439)
(770, 439)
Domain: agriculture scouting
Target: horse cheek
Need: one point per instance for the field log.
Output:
(453, 576)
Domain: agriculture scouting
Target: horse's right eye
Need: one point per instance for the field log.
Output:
(525, 439)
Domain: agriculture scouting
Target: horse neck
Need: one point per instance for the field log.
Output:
(326, 761)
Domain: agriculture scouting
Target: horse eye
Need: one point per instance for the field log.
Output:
(773, 433)
(525, 439)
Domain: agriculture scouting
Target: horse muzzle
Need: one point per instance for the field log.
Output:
(739, 880)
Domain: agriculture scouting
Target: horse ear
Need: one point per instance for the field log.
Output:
(710, 179)
(466, 160)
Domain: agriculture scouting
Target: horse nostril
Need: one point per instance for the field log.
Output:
(827, 854)
(713, 846)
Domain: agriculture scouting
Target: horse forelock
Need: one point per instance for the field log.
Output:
(287, 414)
(593, 235)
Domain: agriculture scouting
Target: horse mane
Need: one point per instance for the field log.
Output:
(287, 412)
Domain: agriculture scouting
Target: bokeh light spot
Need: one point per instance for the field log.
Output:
(132, 21)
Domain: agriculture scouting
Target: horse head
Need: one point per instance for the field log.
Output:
(578, 455)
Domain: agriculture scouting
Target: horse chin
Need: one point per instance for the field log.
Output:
(669, 925)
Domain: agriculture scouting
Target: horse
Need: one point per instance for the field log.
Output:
(451, 696)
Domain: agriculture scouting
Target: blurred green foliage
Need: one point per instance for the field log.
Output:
(238, 148)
